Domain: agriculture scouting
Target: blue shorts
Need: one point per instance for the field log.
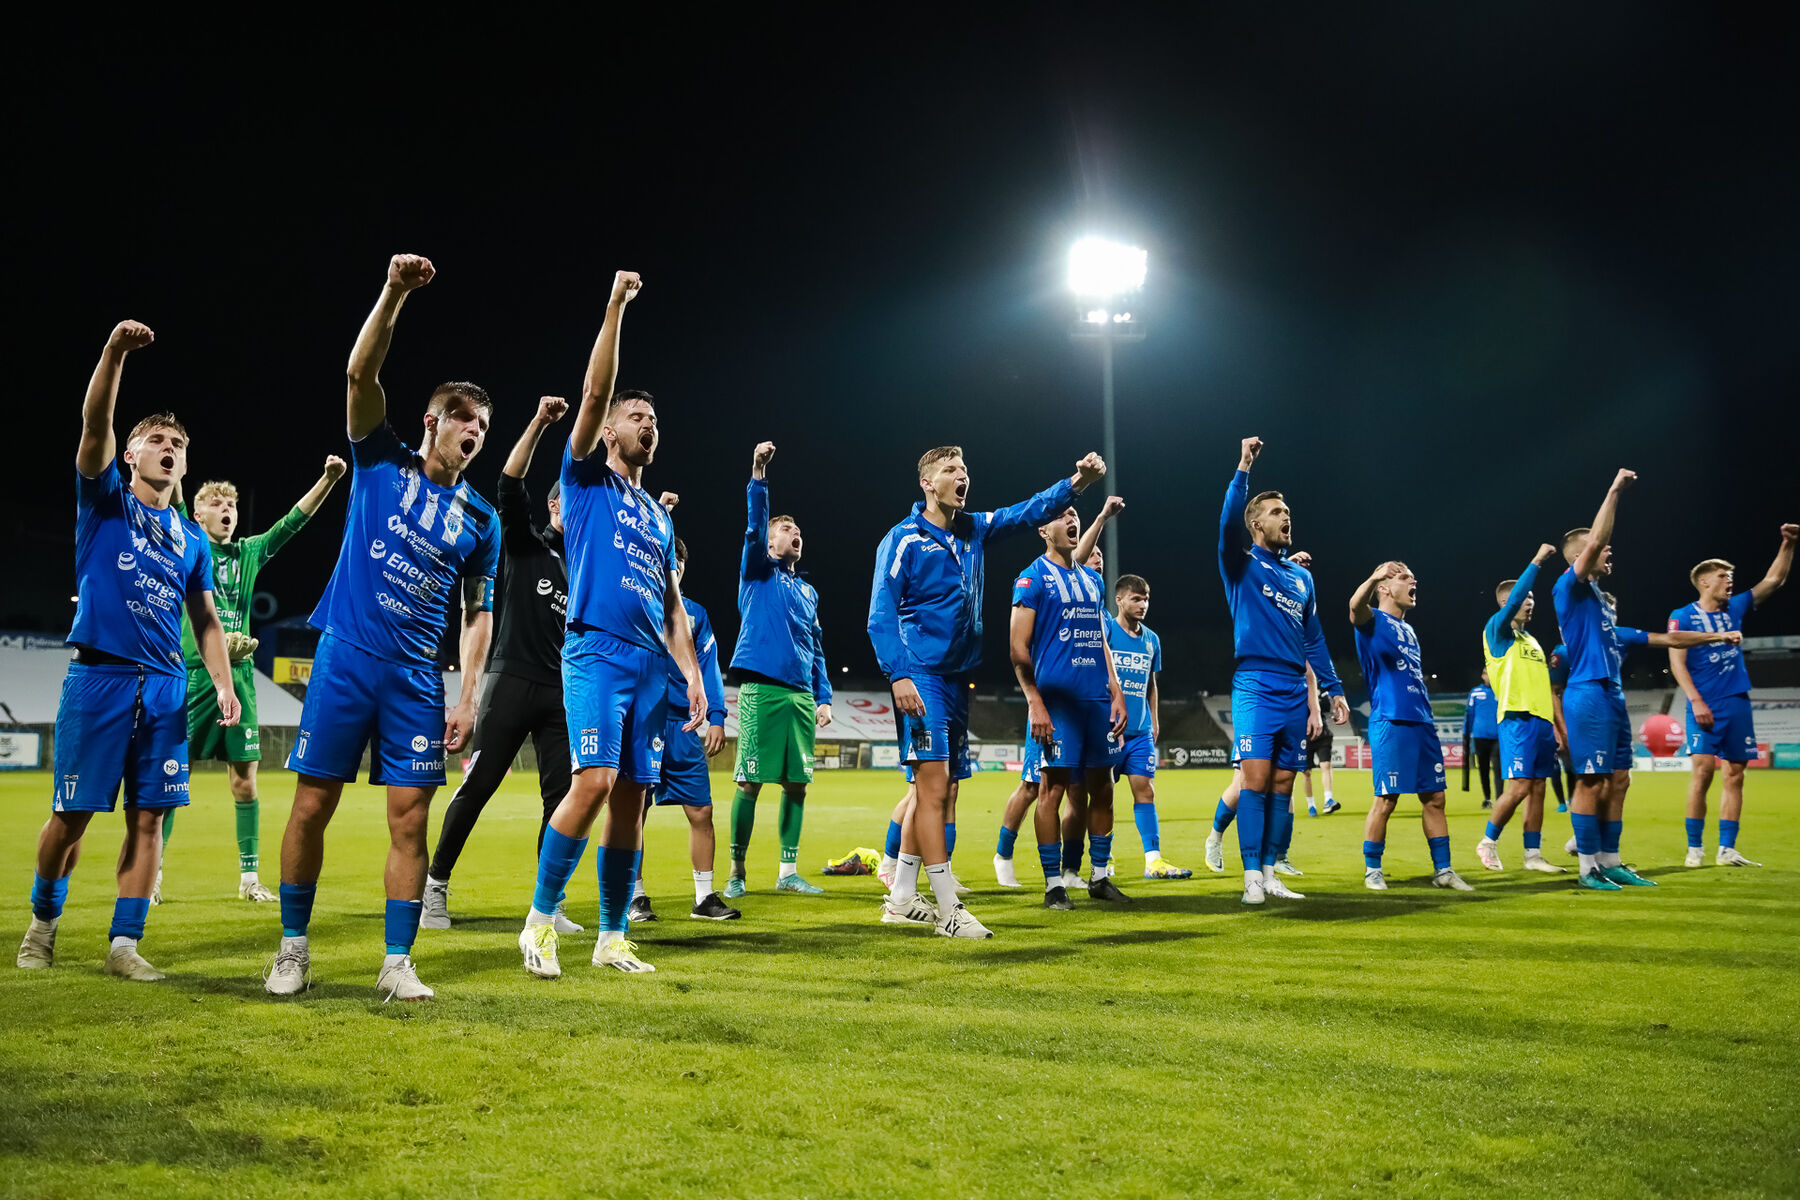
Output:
(355, 698)
(1268, 719)
(120, 725)
(942, 734)
(1409, 761)
(684, 776)
(1081, 736)
(963, 770)
(1527, 747)
(616, 696)
(1599, 727)
(1733, 735)
(1031, 770)
(1139, 757)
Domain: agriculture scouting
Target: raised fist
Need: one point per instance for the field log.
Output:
(626, 286)
(668, 500)
(130, 335)
(1090, 468)
(409, 271)
(1624, 479)
(1790, 533)
(1301, 558)
(334, 467)
(1544, 554)
(551, 409)
(764, 452)
(1248, 449)
(1113, 507)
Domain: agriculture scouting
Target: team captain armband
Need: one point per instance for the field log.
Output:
(478, 593)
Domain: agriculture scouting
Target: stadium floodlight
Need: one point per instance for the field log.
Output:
(1104, 269)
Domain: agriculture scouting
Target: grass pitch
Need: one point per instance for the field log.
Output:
(1526, 1040)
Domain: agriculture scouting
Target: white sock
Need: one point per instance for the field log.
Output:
(1587, 863)
(943, 886)
(702, 885)
(1251, 877)
(390, 959)
(124, 943)
(610, 938)
(1608, 858)
(429, 881)
(1488, 841)
(1151, 856)
(534, 917)
(38, 922)
(637, 889)
(1214, 837)
(1328, 795)
(906, 878)
(888, 865)
(1268, 875)
(788, 868)
(250, 877)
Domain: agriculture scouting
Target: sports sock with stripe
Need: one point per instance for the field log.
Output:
(1696, 832)
(48, 896)
(1728, 831)
(743, 822)
(1224, 815)
(1050, 858)
(248, 812)
(789, 816)
(1008, 839)
(400, 925)
(296, 908)
(1440, 852)
(556, 865)
(129, 915)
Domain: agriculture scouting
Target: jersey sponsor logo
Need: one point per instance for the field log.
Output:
(1025, 581)
(137, 608)
(545, 587)
(378, 548)
(127, 561)
(428, 764)
(420, 743)
(413, 541)
(1081, 660)
(656, 744)
(392, 604)
(1286, 603)
(170, 766)
(1063, 634)
(633, 585)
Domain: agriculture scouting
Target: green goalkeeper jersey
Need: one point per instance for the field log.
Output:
(235, 568)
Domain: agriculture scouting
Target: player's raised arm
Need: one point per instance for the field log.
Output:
(755, 563)
(1232, 532)
(1498, 631)
(1090, 537)
(1587, 563)
(550, 410)
(1680, 639)
(99, 445)
(1777, 576)
(1031, 513)
(678, 632)
(1362, 600)
(315, 495)
(603, 371)
(366, 406)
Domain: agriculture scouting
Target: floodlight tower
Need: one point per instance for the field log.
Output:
(1105, 276)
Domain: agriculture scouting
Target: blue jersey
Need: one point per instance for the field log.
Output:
(1481, 719)
(135, 567)
(620, 545)
(1717, 670)
(925, 605)
(1068, 642)
(1388, 650)
(1274, 612)
(1137, 661)
(778, 612)
(706, 649)
(407, 543)
(1559, 667)
(1587, 629)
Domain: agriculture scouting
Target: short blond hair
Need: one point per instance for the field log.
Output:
(937, 455)
(1707, 568)
(215, 487)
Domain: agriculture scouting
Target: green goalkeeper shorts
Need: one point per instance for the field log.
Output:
(776, 725)
(240, 743)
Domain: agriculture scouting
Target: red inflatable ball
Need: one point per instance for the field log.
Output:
(1663, 735)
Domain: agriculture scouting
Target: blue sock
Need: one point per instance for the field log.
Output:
(1252, 814)
(1587, 832)
(129, 915)
(1533, 841)
(1100, 849)
(400, 921)
(949, 839)
(1696, 831)
(1050, 858)
(1149, 830)
(1728, 834)
(892, 849)
(296, 908)
(637, 871)
(1276, 808)
(1609, 837)
(618, 871)
(556, 865)
(48, 896)
(1007, 838)
(1493, 832)
(1284, 826)
(1071, 856)
(1224, 815)
(1372, 852)
(1440, 853)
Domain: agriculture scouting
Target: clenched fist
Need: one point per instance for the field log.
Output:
(409, 271)
(334, 467)
(626, 286)
(129, 336)
(1089, 469)
(550, 410)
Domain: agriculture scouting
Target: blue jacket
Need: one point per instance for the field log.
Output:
(706, 649)
(1274, 611)
(925, 606)
(1480, 718)
(778, 612)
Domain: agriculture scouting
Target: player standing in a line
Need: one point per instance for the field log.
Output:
(1137, 658)
(1717, 684)
(523, 696)
(236, 564)
(1519, 674)
(1073, 701)
(685, 782)
(1481, 734)
(1593, 702)
(121, 720)
(626, 620)
(1275, 634)
(925, 626)
(784, 694)
(416, 537)
(1225, 811)
(1403, 740)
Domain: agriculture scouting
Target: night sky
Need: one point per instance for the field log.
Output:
(1455, 269)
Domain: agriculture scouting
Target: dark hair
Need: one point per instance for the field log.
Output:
(626, 395)
(555, 493)
(680, 553)
(1130, 583)
(474, 393)
(1253, 509)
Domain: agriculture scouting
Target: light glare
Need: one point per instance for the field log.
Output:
(1103, 269)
